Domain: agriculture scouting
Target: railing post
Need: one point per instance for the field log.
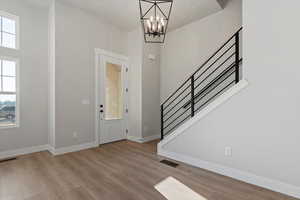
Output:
(237, 57)
(193, 96)
(162, 122)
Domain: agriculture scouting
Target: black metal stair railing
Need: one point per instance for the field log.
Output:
(211, 79)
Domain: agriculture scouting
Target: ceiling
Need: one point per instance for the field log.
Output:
(43, 3)
(125, 13)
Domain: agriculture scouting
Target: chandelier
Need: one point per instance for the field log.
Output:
(155, 15)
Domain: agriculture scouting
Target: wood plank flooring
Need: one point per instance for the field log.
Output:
(118, 171)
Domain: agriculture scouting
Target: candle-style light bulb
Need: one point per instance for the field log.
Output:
(148, 26)
(148, 23)
(151, 19)
(159, 28)
(162, 22)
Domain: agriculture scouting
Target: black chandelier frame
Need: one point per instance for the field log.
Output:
(165, 17)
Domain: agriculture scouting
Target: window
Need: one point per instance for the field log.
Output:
(8, 92)
(9, 30)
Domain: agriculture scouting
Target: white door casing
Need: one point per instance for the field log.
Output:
(108, 127)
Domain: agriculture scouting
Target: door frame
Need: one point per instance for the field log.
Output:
(98, 53)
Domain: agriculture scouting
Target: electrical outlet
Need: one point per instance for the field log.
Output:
(75, 135)
(228, 151)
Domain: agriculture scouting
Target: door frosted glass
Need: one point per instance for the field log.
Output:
(113, 92)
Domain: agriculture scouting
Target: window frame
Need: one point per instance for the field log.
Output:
(17, 93)
(17, 21)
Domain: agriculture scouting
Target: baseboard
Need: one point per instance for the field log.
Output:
(208, 109)
(144, 139)
(74, 148)
(133, 138)
(150, 138)
(51, 149)
(23, 151)
(47, 147)
(247, 177)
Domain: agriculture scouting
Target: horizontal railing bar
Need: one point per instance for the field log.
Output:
(165, 107)
(176, 118)
(212, 82)
(177, 104)
(177, 125)
(214, 87)
(215, 61)
(216, 79)
(218, 50)
(229, 69)
(176, 91)
(197, 109)
(176, 111)
(237, 32)
(215, 70)
(209, 90)
(215, 95)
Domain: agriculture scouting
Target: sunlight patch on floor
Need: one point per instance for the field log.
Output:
(172, 189)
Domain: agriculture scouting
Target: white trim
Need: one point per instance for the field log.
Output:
(150, 138)
(51, 149)
(212, 106)
(98, 53)
(51, 62)
(110, 54)
(134, 139)
(144, 139)
(17, 20)
(96, 97)
(17, 93)
(23, 151)
(247, 177)
(47, 147)
(74, 148)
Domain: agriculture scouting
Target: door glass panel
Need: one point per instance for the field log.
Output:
(113, 92)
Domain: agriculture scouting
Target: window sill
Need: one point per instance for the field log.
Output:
(9, 48)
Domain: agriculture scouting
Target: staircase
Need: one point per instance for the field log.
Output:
(214, 77)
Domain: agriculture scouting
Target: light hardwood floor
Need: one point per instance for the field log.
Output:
(118, 171)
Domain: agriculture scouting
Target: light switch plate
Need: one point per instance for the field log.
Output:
(228, 151)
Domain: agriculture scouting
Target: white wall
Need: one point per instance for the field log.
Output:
(151, 91)
(187, 48)
(135, 53)
(78, 33)
(144, 92)
(261, 123)
(33, 55)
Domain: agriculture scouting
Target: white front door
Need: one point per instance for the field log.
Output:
(112, 99)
